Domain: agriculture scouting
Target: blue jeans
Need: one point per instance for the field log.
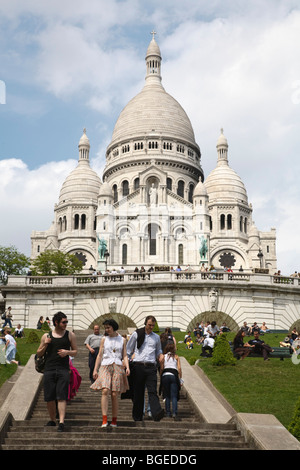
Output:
(170, 386)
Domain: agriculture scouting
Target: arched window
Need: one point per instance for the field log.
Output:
(76, 222)
(241, 224)
(229, 222)
(64, 223)
(191, 192)
(169, 184)
(222, 222)
(124, 254)
(83, 222)
(152, 234)
(245, 225)
(115, 192)
(180, 188)
(180, 254)
(136, 183)
(125, 188)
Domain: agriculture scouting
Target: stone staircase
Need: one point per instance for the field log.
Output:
(83, 425)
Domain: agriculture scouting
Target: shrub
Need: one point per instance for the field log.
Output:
(222, 354)
(294, 427)
(33, 337)
(45, 326)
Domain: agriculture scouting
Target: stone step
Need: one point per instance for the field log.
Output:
(83, 425)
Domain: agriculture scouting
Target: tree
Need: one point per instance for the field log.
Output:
(12, 262)
(55, 262)
(222, 354)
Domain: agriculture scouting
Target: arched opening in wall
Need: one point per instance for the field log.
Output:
(229, 222)
(219, 317)
(180, 188)
(152, 237)
(169, 184)
(191, 192)
(136, 183)
(222, 222)
(83, 222)
(180, 254)
(124, 254)
(123, 321)
(125, 188)
(76, 221)
(115, 192)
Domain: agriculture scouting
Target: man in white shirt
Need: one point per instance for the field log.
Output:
(145, 347)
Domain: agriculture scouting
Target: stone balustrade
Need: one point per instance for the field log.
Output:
(159, 276)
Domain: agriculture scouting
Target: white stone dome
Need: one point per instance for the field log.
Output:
(200, 189)
(223, 183)
(83, 183)
(153, 111)
(105, 189)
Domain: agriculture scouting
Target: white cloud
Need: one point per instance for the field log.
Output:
(231, 64)
(28, 198)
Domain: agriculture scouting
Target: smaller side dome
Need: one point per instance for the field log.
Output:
(105, 189)
(84, 140)
(200, 189)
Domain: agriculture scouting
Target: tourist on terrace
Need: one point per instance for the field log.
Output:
(109, 373)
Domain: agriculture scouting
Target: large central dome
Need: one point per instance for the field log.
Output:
(153, 110)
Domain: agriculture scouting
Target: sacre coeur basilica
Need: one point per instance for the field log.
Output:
(154, 234)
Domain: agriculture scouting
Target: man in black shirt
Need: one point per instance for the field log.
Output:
(259, 346)
(60, 344)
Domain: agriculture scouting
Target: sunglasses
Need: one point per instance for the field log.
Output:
(64, 322)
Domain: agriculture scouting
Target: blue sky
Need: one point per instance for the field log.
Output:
(68, 64)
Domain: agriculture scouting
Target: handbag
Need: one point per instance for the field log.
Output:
(40, 362)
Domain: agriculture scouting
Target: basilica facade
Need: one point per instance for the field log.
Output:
(153, 207)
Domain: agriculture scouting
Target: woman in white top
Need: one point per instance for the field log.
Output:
(171, 378)
(112, 376)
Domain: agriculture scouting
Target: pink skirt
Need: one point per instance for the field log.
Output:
(112, 377)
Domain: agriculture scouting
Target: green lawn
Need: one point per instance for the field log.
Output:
(253, 385)
(24, 351)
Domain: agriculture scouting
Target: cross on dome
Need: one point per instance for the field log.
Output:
(153, 34)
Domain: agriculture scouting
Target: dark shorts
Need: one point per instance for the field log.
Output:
(56, 384)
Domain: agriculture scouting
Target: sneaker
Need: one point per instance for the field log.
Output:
(113, 425)
(61, 427)
(104, 425)
(51, 423)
